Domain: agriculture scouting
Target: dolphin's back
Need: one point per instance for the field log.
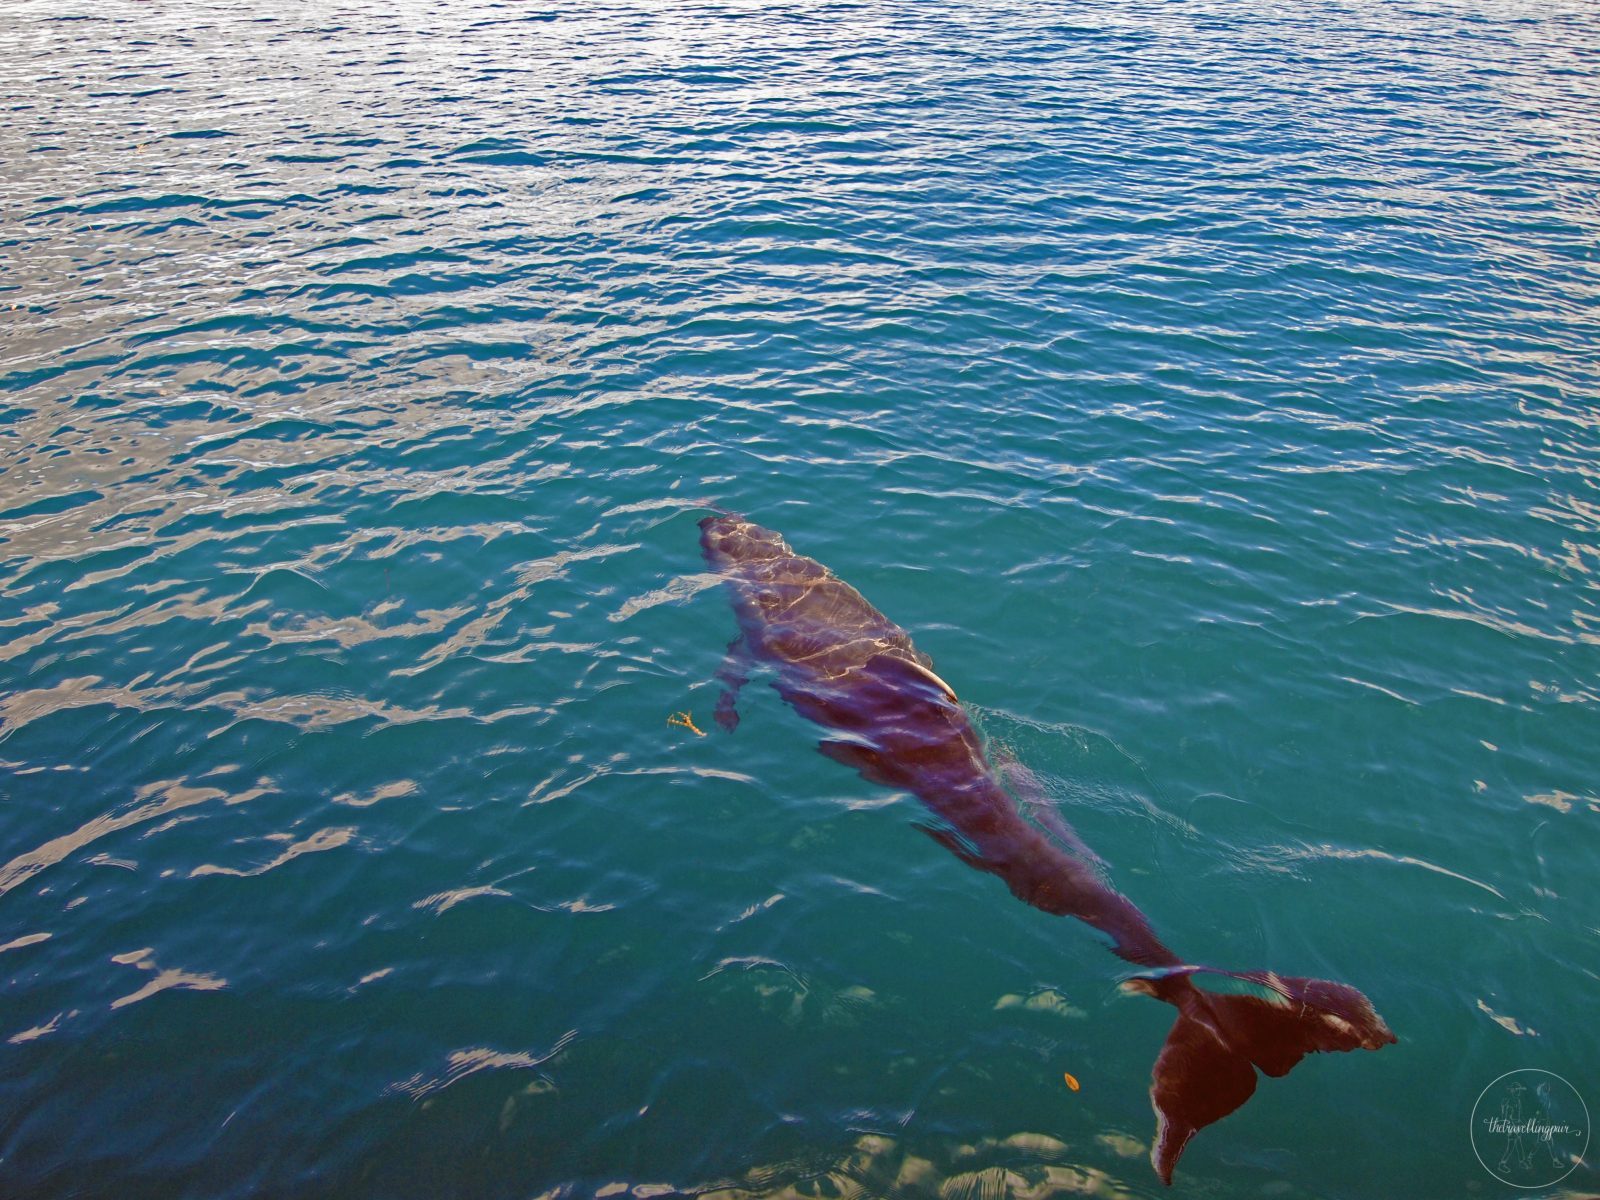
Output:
(794, 610)
(844, 665)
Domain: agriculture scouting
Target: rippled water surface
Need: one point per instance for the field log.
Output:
(1212, 390)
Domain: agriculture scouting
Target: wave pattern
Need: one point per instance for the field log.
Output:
(1213, 392)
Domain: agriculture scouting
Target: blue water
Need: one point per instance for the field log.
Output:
(1212, 390)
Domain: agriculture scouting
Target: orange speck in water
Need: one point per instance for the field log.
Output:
(684, 721)
(1072, 1080)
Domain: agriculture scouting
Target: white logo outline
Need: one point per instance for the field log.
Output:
(1515, 1129)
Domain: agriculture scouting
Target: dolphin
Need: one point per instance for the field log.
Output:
(844, 665)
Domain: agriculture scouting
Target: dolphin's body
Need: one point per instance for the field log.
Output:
(844, 665)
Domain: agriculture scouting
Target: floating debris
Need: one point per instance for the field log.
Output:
(684, 721)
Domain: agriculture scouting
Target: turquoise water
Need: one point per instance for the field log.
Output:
(1212, 392)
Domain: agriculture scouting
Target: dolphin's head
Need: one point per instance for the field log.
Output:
(729, 540)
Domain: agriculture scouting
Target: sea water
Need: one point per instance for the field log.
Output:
(1210, 389)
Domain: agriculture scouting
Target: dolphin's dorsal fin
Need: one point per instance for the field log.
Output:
(909, 672)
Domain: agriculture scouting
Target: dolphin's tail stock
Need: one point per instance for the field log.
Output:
(1207, 1067)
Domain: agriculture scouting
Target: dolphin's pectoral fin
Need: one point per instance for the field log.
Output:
(955, 843)
(1199, 1078)
(732, 674)
(727, 716)
(872, 766)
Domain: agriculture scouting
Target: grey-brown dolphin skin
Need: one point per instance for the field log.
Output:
(843, 664)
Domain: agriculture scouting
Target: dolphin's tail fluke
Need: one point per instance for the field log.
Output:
(1266, 1022)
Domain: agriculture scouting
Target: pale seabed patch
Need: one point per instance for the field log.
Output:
(1047, 1000)
(1020, 1166)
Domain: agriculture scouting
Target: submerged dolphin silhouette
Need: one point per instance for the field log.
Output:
(844, 665)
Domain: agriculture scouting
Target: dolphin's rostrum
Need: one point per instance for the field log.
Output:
(843, 664)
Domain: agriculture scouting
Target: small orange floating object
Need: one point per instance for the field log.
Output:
(684, 721)
(1072, 1080)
